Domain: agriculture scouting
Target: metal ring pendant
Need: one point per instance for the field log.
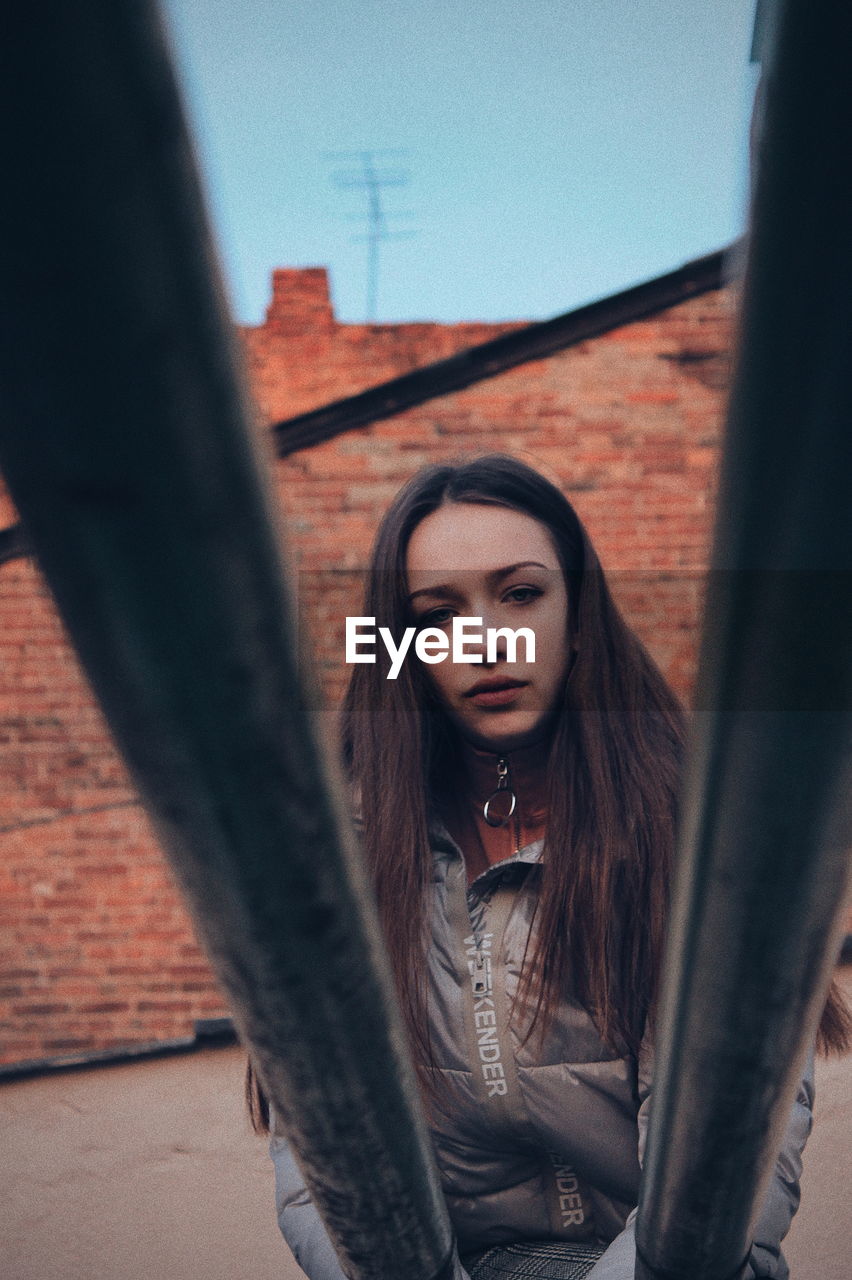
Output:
(499, 821)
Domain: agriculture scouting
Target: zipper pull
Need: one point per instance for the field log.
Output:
(478, 975)
(502, 790)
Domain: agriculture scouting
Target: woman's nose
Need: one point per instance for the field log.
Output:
(493, 646)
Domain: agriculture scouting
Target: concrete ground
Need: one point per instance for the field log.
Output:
(150, 1171)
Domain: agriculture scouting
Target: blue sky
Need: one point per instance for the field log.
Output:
(557, 150)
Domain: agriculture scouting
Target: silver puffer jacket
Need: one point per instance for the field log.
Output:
(533, 1141)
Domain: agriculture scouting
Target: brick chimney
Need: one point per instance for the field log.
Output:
(301, 303)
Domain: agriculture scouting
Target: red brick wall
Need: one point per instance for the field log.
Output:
(95, 949)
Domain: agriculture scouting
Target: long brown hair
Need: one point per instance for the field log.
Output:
(613, 777)
(613, 780)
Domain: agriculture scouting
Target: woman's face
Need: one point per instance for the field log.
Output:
(476, 561)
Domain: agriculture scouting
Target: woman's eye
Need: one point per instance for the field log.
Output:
(436, 618)
(522, 595)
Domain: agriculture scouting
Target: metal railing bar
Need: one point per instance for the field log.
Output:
(767, 811)
(123, 440)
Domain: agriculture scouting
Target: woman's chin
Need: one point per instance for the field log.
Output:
(503, 733)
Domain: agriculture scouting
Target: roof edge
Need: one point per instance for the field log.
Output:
(14, 543)
(532, 342)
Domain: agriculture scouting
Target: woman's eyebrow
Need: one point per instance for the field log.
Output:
(495, 575)
(442, 589)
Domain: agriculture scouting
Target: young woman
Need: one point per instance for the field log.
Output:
(521, 862)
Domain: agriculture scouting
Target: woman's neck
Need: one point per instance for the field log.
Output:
(499, 801)
(525, 775)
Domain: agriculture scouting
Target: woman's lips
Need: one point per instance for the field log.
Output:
(495, 694)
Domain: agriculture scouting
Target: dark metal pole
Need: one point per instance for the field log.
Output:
(124, 446)
(766, 816)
